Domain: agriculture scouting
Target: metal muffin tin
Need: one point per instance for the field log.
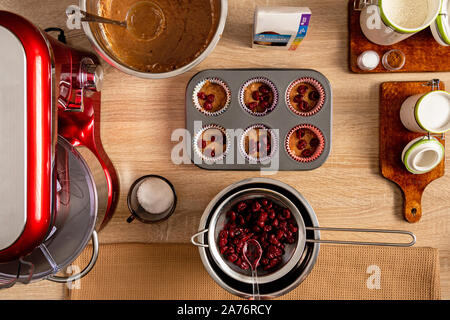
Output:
(281, 118)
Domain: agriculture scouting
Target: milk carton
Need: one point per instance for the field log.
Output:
(280, 27)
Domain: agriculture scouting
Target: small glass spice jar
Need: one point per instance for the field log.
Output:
(368, 60)
(393, 60)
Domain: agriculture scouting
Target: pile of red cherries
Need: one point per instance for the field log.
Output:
(271, 225)
(209, 100)
(262, 95)
(303, 144)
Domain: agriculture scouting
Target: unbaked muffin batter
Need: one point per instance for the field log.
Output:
(212, 97)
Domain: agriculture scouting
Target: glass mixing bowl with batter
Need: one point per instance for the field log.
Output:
(163, 38)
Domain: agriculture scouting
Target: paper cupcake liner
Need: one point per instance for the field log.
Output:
(199, 152)
(319, 149)
(268, 83)
(197, 89)
(274, 145)
(316, 84)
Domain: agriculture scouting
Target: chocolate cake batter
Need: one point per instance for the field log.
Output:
(171, 35)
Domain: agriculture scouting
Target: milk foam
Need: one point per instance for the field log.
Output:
(409, 14)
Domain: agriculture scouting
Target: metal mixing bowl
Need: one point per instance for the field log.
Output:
(298, 260)
(218, 220)
(94, 33)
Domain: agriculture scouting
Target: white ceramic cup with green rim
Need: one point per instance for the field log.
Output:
(429, 112)
(422, 155)
(386, 22)
(441, 27)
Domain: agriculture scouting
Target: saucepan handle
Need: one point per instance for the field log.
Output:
(194, 239)
(85, 270)
(386, 244)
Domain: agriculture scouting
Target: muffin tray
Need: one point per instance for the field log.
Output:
(234, 118)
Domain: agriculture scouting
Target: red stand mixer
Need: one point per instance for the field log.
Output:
(53, 198)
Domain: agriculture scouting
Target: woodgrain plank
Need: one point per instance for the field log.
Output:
(348, 190)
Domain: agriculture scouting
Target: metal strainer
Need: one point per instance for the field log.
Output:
(293, 252)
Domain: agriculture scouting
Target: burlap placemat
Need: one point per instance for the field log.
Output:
(175, 271)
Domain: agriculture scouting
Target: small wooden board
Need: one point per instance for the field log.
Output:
(423, 53)
(393, 139)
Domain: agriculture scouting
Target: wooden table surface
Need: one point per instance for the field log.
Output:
(139, 116)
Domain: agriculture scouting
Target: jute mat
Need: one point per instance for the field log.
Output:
(175, 272)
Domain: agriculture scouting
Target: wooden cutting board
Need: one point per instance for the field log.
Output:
(423, 53)
(394, 137)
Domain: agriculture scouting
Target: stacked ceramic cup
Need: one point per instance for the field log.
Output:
(429, 114)
(441, 26)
